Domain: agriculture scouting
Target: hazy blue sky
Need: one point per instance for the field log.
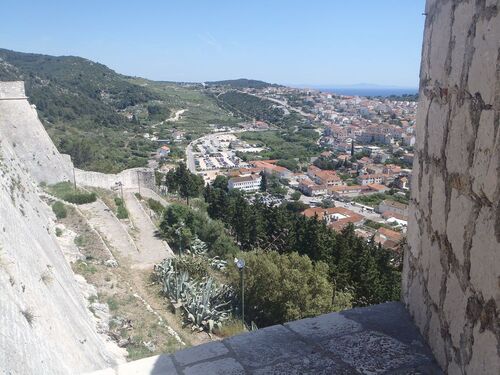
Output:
(284, 41)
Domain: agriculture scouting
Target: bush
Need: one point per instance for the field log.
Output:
(121, 212)
(59, 232)
(282, 287)
(60, 210)
(155, 206)
(80, 198)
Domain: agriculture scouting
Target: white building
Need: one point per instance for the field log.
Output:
(247, 183)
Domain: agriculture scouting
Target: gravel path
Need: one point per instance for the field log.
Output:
(152, 249)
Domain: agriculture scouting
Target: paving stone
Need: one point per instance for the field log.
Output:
(324, 327)
(225, 366)
(200, 353)
(374, 353)
(314, 364)
(390, 318)
(268, 346)
(374, 340)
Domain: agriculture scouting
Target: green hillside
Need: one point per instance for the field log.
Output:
(242, 83)
(98, 116)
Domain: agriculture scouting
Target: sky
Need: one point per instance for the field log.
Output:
(307, 42)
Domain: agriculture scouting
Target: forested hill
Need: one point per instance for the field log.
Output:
(84, 107)
(242, 83)
(66, 88)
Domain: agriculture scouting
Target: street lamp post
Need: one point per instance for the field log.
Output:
(240, 263)
(139, 182)
(178, 231)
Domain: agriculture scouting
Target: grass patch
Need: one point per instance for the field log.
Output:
(80, 241)
(59, 210)
(112, 303)
(66, 191)
(374, 200)
(136, 350)
(121, 210)
(155, 205)
(284, 144)
(373, 224)
(230, 328)
(83, 268)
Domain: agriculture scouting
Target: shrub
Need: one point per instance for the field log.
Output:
(282, 287)
(59, 210)
(155, 206)
(59, 232)
(80, 198)
(121, 212)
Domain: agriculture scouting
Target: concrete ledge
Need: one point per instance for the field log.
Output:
(378, 339)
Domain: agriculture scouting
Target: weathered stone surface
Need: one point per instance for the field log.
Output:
(373, 352)
(268, 346)
(313, 364)
(372, 340)
(200, 353)
(325, 326)
(225, 366)
(452, 264)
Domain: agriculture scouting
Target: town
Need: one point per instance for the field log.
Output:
(360, 175)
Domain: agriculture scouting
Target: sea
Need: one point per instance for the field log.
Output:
(375, 91)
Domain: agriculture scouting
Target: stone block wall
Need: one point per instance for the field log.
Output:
(451, 277)
(130, 178)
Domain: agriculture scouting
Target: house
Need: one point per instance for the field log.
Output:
(312, 189)
(368, 179)
(246, 183)
(336, 218)
(377, 188)
(402, 183)
(388, 238)
(324, 177)
(270, 168)
(347, 191)
(164, 151)
(393, 206)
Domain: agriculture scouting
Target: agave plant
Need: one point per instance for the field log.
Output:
(206, 303)
(198, 247)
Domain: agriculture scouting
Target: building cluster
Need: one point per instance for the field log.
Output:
(367, 146)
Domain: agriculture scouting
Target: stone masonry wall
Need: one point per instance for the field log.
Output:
(130, 178)
(451, 277)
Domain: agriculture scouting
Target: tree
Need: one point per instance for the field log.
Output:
(187, 184)
(263, 182)
(282, 287)
(295, 196)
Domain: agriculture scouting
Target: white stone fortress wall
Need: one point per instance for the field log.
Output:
(37, 281)
(130, 178)
(22, 129)
(451, 278)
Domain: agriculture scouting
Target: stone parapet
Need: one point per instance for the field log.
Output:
(379, 339)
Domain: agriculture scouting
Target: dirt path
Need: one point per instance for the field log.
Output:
(152, 249)
(176, 116)
(110, 228)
